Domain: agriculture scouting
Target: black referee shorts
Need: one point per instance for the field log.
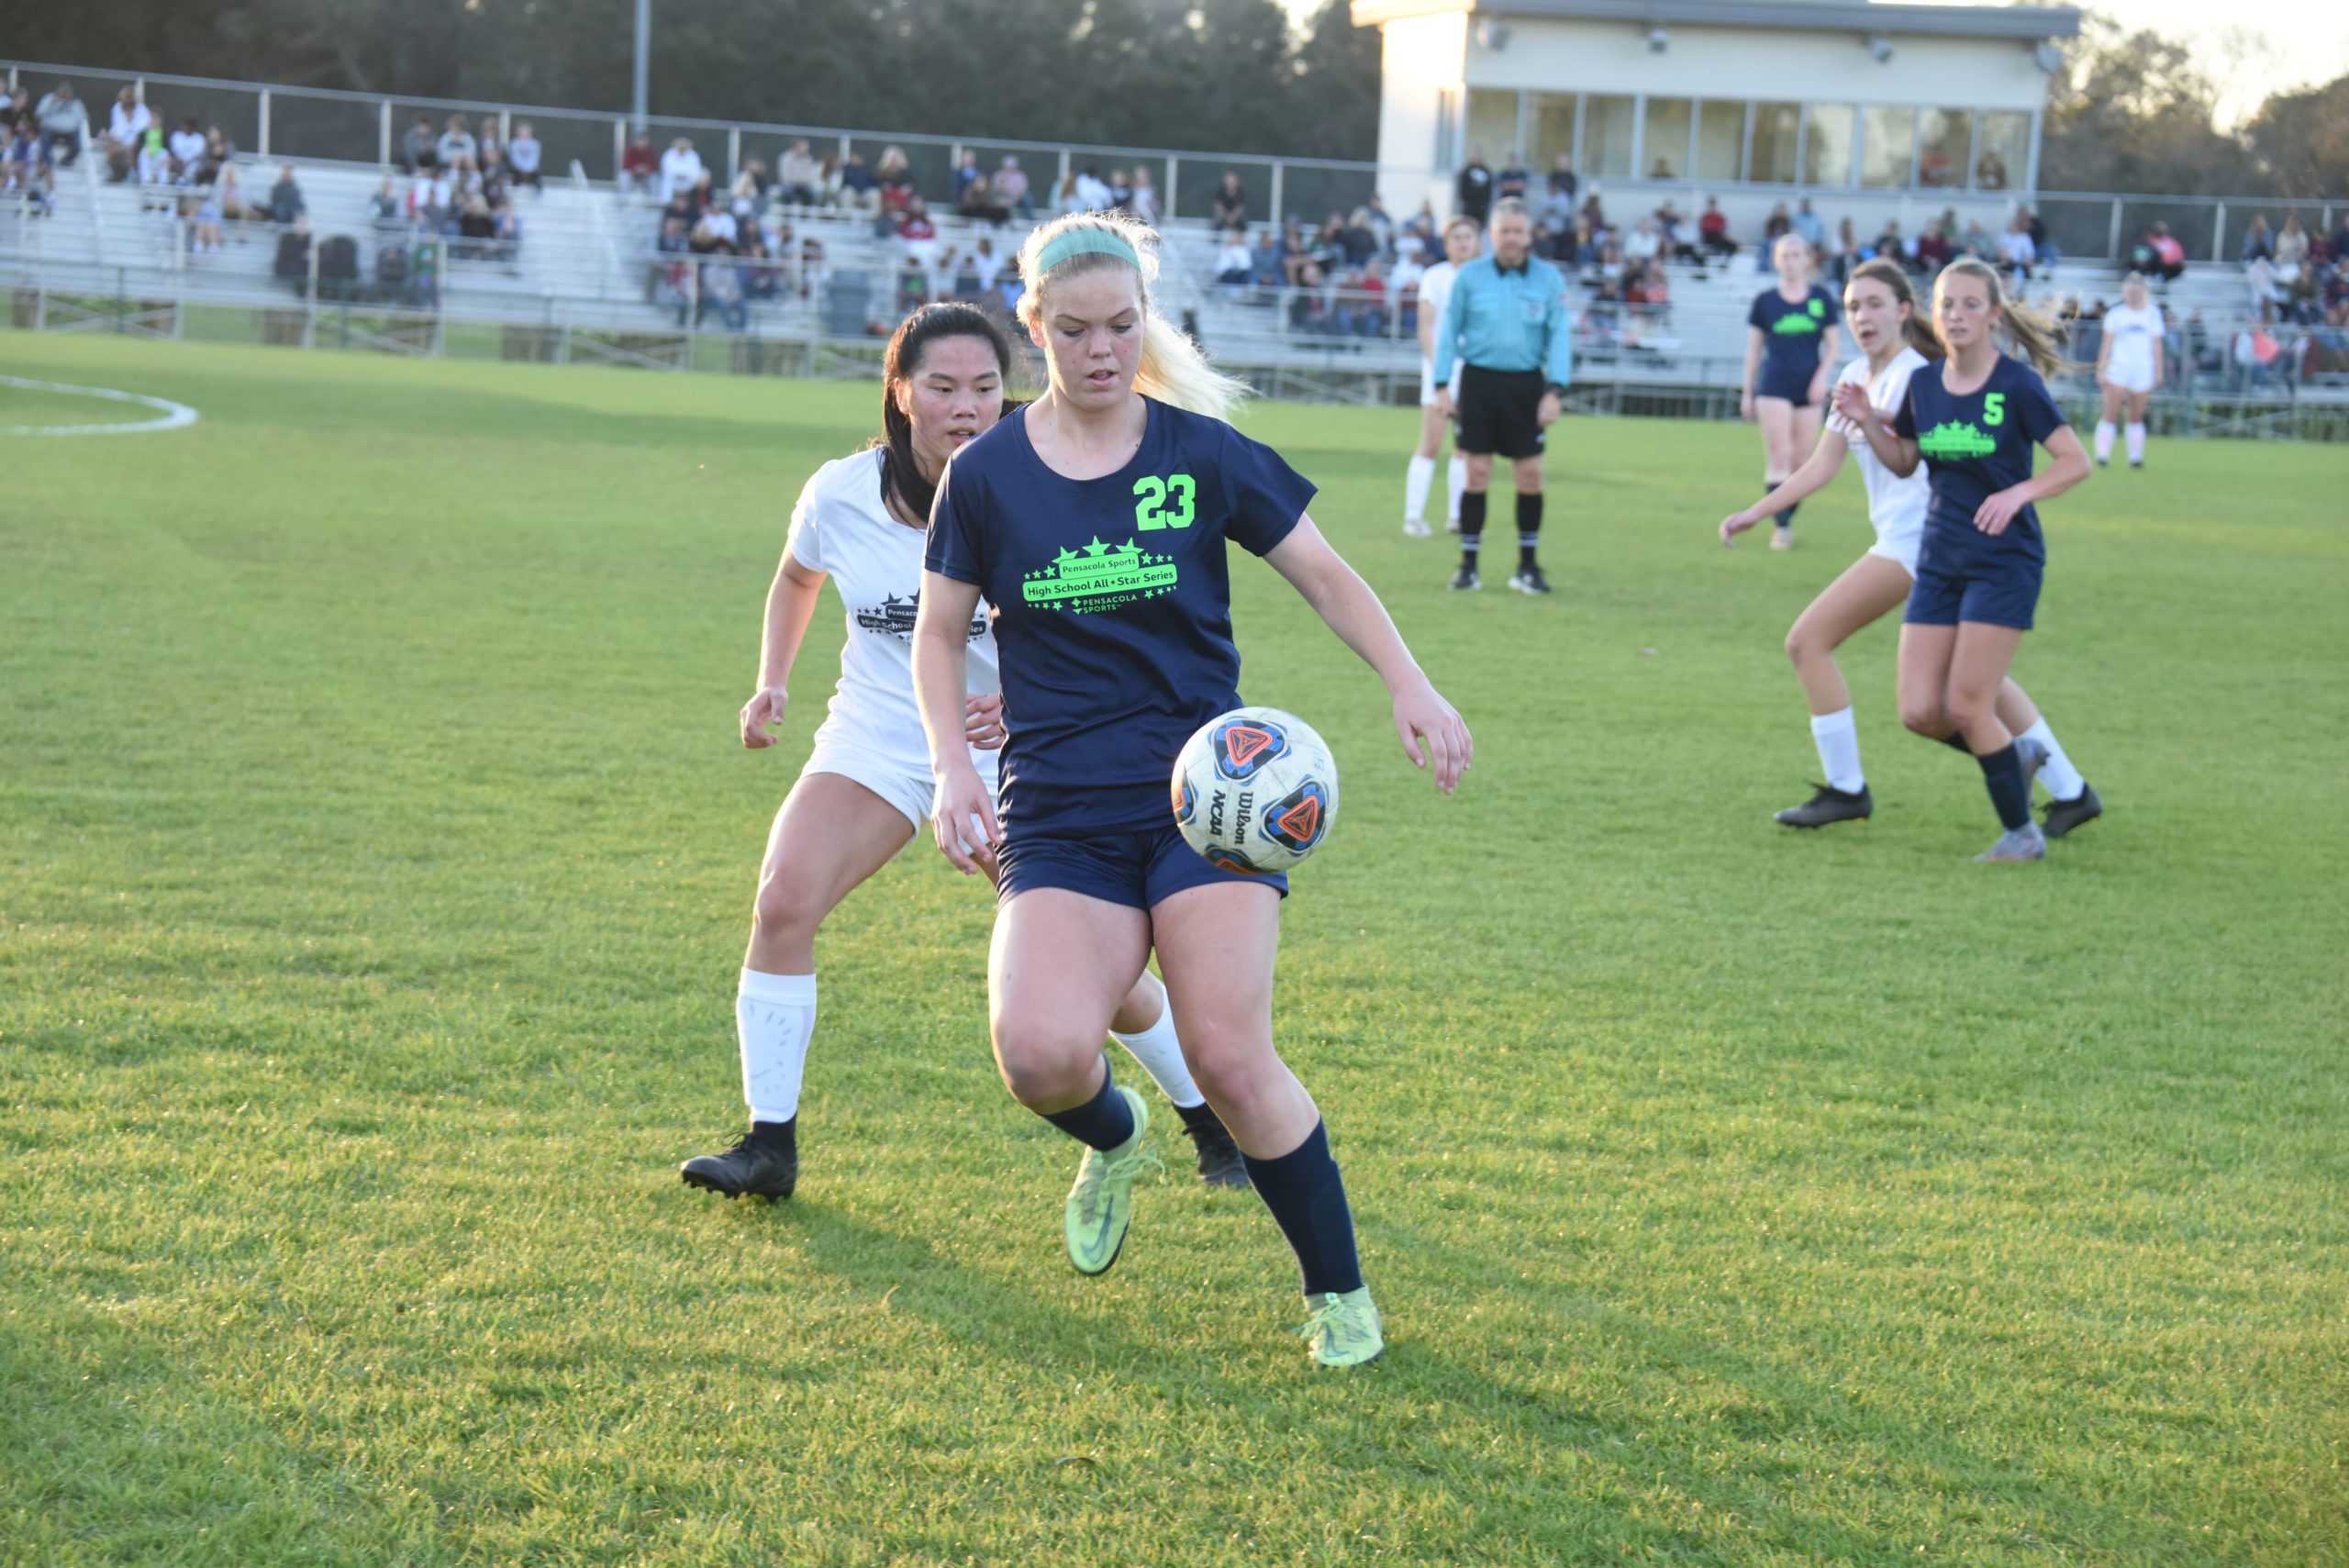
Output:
(1499, 412)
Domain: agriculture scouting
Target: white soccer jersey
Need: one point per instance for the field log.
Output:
(1435, 293)
(1896, 506)
(842, 527)
(2133, 333)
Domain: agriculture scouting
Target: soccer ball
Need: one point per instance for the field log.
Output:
(1255, 790)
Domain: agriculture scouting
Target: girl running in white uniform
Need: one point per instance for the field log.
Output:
(866, 786)
(1462, 241)
(2128, 367)
(1895, 343)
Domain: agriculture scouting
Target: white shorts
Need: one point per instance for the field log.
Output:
(903, 782)
(2131, 379)
(1900, 549)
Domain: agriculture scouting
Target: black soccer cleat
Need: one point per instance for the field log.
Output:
(1219, 1162)
(1829, 805)
(1465, 581)
(1529, 580)
(2062, 815)
(764, 1161)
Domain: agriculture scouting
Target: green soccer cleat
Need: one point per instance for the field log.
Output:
(1343, 1329)
(1101, 1204)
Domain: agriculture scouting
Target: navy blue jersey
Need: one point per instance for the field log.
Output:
(1975, 446)
(1791, 335)
(1112, 605)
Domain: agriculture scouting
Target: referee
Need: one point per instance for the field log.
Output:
(1506, 332)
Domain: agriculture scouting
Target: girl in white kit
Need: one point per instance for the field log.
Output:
(2128, 367)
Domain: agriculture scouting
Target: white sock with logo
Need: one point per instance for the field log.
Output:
(1456, 485)
(1415, 488)
(2062, 779)
(1838, 737)
(2136, 443)
(773, 1016)
(1160, 1055)
(2105, 431)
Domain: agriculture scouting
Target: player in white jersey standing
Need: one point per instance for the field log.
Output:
(1895, 341)
(1462, 241)
(861, 521)
(2128, 367)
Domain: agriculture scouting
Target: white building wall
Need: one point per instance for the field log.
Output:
(1422, 59)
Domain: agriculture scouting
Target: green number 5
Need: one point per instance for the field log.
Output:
(1993, 409)
(1152, 494)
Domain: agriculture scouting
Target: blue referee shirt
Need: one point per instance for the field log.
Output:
(1508, 319)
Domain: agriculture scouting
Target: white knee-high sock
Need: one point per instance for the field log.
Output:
(1838, 737)
(2136, 443)
(1415, 486)
(1160, 1055)
(2062, 779)
(1456, 483)
(2105, 431)
(773, 1016)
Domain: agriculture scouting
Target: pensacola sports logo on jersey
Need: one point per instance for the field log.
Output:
(1099, 577)
(1799, 325)
(1951, 439)
(894, 617)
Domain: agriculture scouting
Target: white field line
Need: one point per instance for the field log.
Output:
(171, 415)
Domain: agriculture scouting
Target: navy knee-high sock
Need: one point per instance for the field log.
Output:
(1102, 1122)
(1785, 515)
(1529, 527)
(1308, 1201)
(1472, 525)
(2009, 791)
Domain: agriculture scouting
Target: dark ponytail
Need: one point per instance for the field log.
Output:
(901, 476)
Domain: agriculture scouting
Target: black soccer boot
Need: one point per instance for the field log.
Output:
(1529, 580)
(2062, 815)
(1219, 1162)
(1829, 805)
(764, 1161)
(1465, 581)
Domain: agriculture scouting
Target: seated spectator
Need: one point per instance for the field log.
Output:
(1596, 215)
(799, 178)
(1672, 229)
(893, 176)
(750, 187)
(701, 195)
(859, 192)
(475, 228)
(966, 169)
(1712, 229)
(2259, 276)
(1092, 190)
(681, 168)
(1011, 187)
(2167, 257)
(1264, 267)
(464, 179)
(1402, 283)
(154, 159)
(1143, 204)
(524, 156)
(1373, 218)
(204, 231)
(186, 152)
(640, 171)
(2291, 245)
(1121, 192)
(1357, 242)
(1647, 287)
(1230, 209)
(1776, 224)
(25, 164)
(126, 124)
(762, 278)
(721, 291)
(1807, 223)
(724, 222)
(1512, 181)
(813, 271)
(1934, 247)
(231, 196)
(987, 264)
(419, 149)
(1581, 245)
(1298, 267)
(1848, 253)
(1234, 265)
(285, 203)
(1564, 183)
(2257, 240)
(457, 141)
(914, 226)
(431, 199)
(1977, 241)
(2017, 252)
(1644, 243)
(218, 153)
(63, 123)
(506, 231)
(2304, 294)
(980, 203)
(385, 210)
(2041, 242)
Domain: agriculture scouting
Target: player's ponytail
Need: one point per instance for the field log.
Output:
(901, 475)
(1919, 328)
(2034, 334)
(1172, 370)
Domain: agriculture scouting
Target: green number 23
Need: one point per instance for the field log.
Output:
(1993, 409)
(1164, 502)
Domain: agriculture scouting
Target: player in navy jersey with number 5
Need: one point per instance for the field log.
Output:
(1095, 522)
(1974, 423)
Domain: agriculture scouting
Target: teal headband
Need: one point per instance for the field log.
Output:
(1087, 241)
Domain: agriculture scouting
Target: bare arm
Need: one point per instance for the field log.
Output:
(2071, 466)
(1899, 455)
(1818, 470)
(942, 633)
(1752, 370)
(791, 605)
(1827, 339)
(1348, 606)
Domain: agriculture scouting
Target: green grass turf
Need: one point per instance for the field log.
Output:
(375, 849)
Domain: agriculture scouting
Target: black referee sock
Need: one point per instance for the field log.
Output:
(1472, 527)
(1308, 1201)
(2009, 791)
(1528, 528)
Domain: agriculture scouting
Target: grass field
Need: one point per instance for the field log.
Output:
(375, 849)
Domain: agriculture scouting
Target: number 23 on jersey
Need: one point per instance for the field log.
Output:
(1164, 502)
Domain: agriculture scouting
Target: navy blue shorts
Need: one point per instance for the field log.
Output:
(2003, 596)
(1795, 391)
(1136, 870)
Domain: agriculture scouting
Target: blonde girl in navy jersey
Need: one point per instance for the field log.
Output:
(865, 790)
(1974, 423)
(1095, 521)
(1790, 348)
(1895, 343)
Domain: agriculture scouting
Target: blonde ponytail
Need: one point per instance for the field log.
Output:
(1172, 369)
(2036, 334)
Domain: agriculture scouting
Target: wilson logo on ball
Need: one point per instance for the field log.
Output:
(1244, 748)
